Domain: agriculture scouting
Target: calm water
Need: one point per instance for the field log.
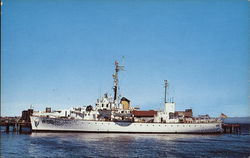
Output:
(123, 145)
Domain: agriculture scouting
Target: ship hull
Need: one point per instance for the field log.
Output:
(44, 124)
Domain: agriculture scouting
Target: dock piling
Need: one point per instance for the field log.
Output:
(231, 128)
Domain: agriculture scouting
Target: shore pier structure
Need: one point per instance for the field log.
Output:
(231, 128)
(17, 127)
(17, 124)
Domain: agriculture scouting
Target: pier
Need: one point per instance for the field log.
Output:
(231, 128)
(17, 124)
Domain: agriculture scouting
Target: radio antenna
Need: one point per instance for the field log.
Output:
(166, 86)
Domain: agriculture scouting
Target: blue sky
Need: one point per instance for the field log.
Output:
(61, 53)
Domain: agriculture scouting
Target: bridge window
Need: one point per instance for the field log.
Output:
(171, 115)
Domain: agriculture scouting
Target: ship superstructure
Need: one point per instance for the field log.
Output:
(114, 114)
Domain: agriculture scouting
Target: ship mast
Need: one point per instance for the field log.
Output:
(115, 77)
(166, 86)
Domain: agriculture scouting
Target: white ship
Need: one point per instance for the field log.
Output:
(115, 115)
